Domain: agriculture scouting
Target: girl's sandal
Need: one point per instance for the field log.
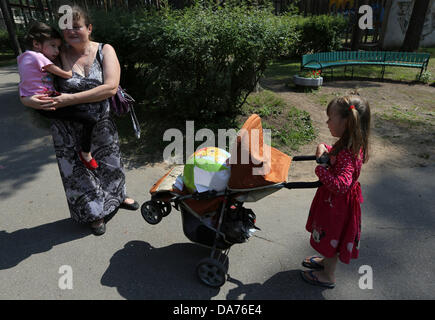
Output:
(312, 264)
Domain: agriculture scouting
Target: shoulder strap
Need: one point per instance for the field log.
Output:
(100, 54)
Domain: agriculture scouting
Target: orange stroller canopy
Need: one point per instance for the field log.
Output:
(253, 163)
(254, 166)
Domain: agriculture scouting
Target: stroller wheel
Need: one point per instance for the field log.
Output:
(151, 212)
(165, 207)
(211, 272)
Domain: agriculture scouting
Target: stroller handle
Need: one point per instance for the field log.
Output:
(324, 158)
(302, 185)
(303, 158)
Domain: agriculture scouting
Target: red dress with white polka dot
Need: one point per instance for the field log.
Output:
(335, 214)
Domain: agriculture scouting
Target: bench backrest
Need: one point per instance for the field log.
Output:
(411, 57)
(381, 56)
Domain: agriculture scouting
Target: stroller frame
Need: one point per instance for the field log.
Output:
(213, 270)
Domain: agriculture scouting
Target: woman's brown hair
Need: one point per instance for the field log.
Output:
(78, 13)
(355, 110)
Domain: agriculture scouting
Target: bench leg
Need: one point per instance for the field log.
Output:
(352, 72)
(383, 72)
(421, 72)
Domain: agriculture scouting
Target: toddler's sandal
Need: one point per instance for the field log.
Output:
(91, 165)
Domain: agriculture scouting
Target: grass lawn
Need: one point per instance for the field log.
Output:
(283, 70)
(403, 110)
(290, 126)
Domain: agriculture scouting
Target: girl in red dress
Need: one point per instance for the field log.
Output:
(335, 214)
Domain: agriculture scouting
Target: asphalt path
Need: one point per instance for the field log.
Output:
(135, 260)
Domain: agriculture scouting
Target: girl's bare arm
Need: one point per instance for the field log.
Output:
(39, 102)
(52, 68)
(111, 72)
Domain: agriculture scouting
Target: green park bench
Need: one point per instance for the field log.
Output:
(323, 60)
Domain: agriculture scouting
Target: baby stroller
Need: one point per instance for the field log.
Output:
(218, 220)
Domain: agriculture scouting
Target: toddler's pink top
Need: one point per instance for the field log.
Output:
(34, 80)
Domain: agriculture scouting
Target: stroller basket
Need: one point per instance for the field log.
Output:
(201, 233)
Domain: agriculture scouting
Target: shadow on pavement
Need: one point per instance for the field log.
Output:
(398, 232)
(19, 245)
(286, 285)
(141, 271)
(26, 144)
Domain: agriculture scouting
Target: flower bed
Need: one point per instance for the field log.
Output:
(308, 78)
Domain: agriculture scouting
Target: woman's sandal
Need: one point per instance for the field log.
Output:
(129, 206)
(315, 281)
(312, 264)
(99, 230)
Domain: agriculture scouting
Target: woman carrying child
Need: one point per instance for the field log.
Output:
(92, 195)
(335, 214)
(36, 69)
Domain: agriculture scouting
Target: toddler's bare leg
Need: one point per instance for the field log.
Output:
(86, 155)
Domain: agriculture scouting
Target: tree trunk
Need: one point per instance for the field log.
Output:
(356, 32)
(415, 27)
(11, 28)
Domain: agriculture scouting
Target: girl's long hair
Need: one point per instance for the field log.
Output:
(357, 131)
(40, 32)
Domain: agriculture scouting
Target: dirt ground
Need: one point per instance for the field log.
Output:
(403, 122)
(402, 126)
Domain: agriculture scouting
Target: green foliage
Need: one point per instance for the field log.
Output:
(197, 63)
(4, 41)
(313, 74)
(297, 131)
(290, 127)
(201, 63)
(265, 104)
(317, 33)
(425, 77)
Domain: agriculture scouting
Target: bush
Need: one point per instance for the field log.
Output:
(4, 41)
(197, 63)
(316, 34)
(425, 77)
(201, 62)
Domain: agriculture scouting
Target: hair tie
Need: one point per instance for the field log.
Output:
(351, 107)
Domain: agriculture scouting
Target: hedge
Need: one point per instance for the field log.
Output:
(197, 63)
